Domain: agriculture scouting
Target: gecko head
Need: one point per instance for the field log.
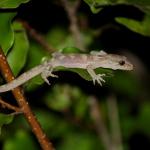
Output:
(120, 62)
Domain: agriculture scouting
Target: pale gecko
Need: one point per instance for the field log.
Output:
(84, 61)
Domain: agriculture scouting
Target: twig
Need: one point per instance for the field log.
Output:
(71, 9)
(9, 106)
(114, 122)
(24, 106)
(99, 123)
(37, 37)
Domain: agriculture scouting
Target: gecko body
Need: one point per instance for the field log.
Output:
(84, 61)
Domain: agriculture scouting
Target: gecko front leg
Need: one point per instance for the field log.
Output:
(95, 77)
(48, 72)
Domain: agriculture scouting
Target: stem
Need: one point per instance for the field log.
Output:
(37, 37)
(71, 10)
(9, 106)
(24, 106)
(99, 123)
(114, 122)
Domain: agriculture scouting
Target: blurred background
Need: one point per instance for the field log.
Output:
(74, 113)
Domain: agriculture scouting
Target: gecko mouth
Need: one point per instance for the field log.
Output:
(128, 67)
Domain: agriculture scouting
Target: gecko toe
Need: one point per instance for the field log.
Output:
(98, 78)
(47, 81)
(53, 75)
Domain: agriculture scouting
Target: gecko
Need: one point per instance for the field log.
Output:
(89, 62)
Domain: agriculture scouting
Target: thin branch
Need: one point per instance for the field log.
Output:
(24, 106)
(71, 9)
(99, 123)
(114, 122)
(9, 106)
(37, 37)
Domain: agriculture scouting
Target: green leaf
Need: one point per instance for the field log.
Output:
(97, 5)
(128, 122)
(80, 141)
(11, 3)
(5, 119)
(21, 141)
(18, 54)
(60, 38)
(35, 56)
(141, 27)
(143, 118)
(65, 97)
(59, 98)
(83, 72)
(6, 32)
(124, 82)
(94, 3)
(80, 104)
(70, 50)
(57, 37)
(49, 121)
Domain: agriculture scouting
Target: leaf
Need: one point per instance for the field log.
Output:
(5, 119)
(143, 118)
(124, 82)
(35, 56)
(97, 5)
(80, 141)
(57, 36)
(65, 97)
(94, 3)
(21, 140)
(83, 72)
(71, 50)
(18, 54)
(59, 98)
(49, 122)
(62, 97)
(128, 123)
(6, 32)
(60, 38)
(80, 103)
(11, 3)
(141, 27)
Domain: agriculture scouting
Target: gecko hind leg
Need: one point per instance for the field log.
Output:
(95, 77)
(48, 73)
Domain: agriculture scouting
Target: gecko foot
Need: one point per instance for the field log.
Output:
(46, 74)
(98, 78)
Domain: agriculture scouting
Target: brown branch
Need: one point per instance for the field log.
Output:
(71, 9)
(24, 106)
(37, 37)
(99, 123)
(9, 106)
(114, 122)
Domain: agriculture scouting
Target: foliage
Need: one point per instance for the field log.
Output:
(11, 4)
(5, 119)
(20, 48)
(6, 29)
(20, 138)
(97, 5)
(64, 109)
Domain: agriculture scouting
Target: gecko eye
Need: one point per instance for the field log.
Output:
(121, 63)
